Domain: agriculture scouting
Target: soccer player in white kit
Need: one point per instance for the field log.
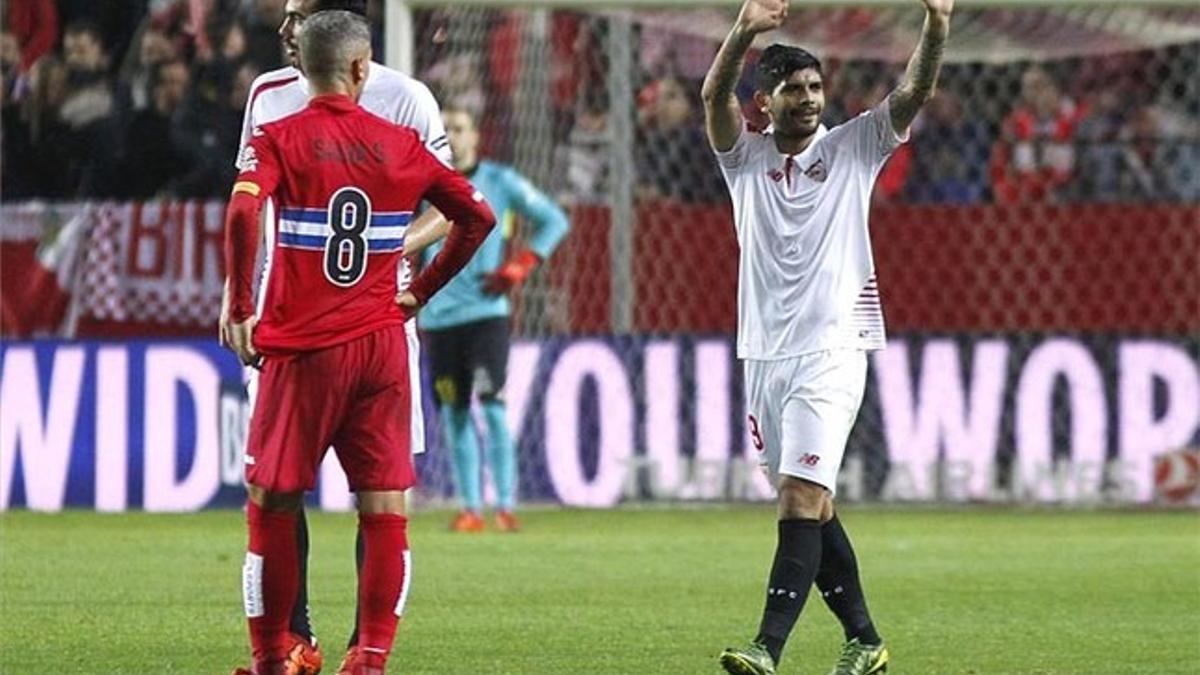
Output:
(395, 97)
(808, 305)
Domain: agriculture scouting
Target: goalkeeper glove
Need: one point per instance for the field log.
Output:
(512, 273)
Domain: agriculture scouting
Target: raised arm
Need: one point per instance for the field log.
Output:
(722, 114)
(920, 79)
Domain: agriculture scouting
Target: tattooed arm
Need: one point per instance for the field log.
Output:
(920, 79)
(722, 115)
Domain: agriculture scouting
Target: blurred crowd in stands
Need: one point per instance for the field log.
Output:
(128, 99)
(1010, 134)
(140, 99)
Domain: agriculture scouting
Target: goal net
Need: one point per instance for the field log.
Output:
(1037, 245)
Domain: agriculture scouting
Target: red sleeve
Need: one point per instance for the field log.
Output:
(473, 219)
(36, 27)
(257, 181)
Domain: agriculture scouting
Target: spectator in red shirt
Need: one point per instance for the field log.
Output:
(35, 23)
(1035, 155)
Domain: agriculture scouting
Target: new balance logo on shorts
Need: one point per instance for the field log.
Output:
(809, 459)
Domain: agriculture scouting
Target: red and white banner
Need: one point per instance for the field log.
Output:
(154, 269)
(39, 247)
(111, 270)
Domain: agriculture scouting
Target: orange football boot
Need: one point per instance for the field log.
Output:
(303, 658)
(506, 521)
(467, 521)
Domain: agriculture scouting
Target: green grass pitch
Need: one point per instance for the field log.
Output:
(630, 591)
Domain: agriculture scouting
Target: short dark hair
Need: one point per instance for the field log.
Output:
(329, 42)
(359, 7)
(777, 64)
(85, 26)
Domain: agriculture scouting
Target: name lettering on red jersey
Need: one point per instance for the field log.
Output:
(328, 150)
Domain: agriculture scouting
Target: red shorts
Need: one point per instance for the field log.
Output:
(354, 396)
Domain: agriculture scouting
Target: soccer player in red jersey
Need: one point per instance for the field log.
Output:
(330, 340)
(404, 101)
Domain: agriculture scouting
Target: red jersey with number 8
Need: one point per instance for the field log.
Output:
(346, 184)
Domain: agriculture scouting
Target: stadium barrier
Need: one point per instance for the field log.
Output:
(128, 270)
(159, 425)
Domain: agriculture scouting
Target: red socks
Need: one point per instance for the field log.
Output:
(270, 579)
(383, 580)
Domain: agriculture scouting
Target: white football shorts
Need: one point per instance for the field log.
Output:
(801, 410)
(417, 421)
(404, 277)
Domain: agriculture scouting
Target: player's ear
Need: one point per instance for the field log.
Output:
(762, 101)
(361, 67)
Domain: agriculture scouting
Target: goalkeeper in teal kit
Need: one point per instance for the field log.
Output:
(466, 325)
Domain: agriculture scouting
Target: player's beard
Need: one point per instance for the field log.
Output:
(793, 124)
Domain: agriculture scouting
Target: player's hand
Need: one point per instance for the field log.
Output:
(408, 304)
(501, 281)
(240, 339)
(939, 7)
(758, 16)
(511, 274)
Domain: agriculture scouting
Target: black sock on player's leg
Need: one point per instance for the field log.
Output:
(359, 554)
(797, 556)
(300, 624)
(840, 586)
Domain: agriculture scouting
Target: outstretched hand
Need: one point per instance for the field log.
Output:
(759, 16)
(939, 7)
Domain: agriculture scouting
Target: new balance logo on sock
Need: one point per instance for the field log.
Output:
(781, 592)
(252, 591)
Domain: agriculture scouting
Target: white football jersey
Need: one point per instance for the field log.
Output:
(806, 277)
(389, 93)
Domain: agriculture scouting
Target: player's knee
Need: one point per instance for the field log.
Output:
(275, 501)
(457, 413)
(799, 498)
(456, 421)
(827, 510)
(381, 501)
(493, 408)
